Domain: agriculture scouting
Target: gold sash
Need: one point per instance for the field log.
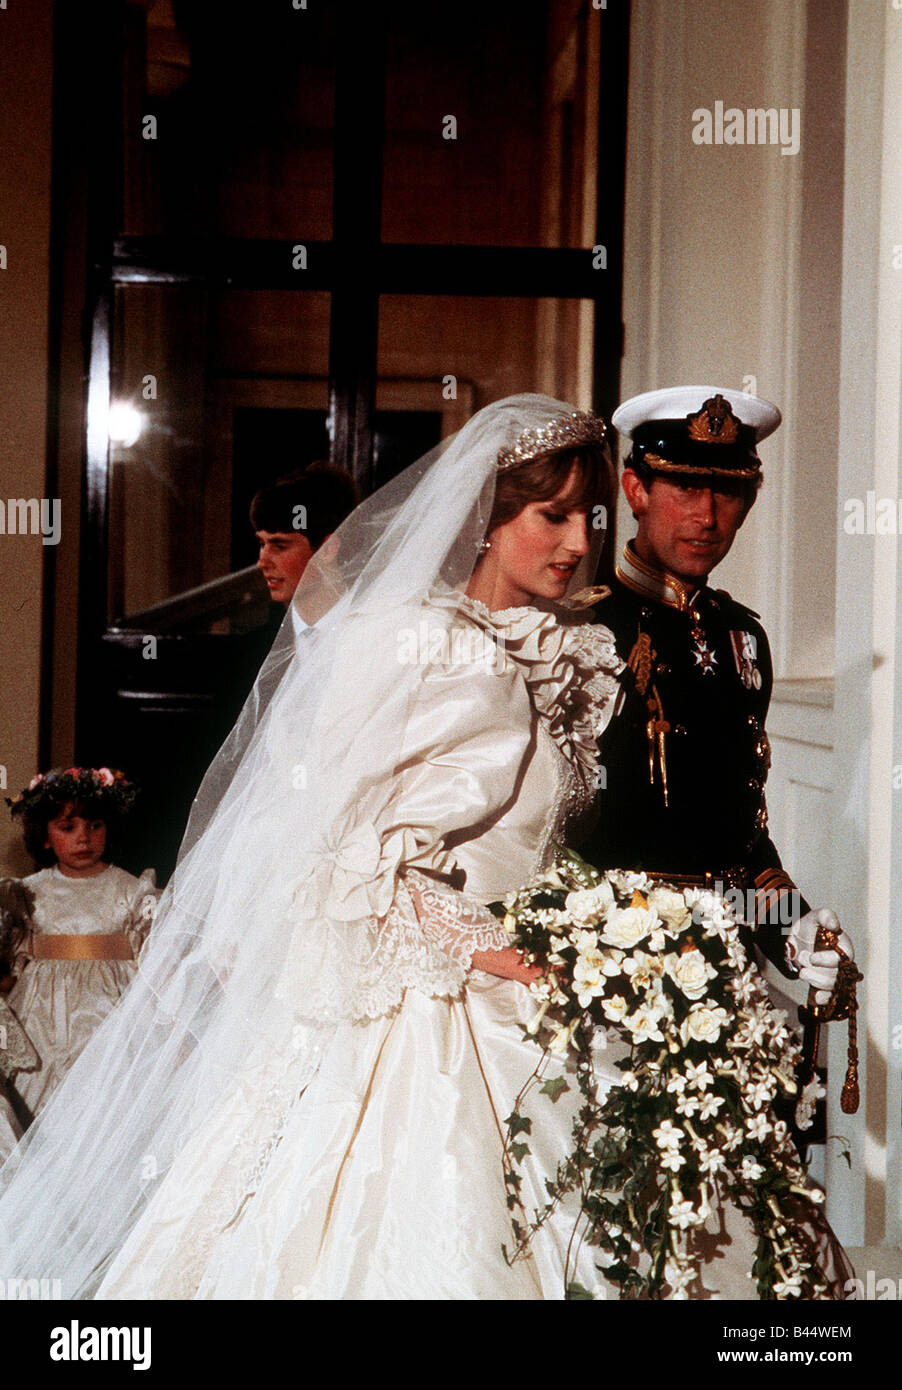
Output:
(91, 946)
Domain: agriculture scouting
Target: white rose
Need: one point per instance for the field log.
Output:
(703, 1024)
(626, 926)
(670, 907)
(589, 904)
(690, 973)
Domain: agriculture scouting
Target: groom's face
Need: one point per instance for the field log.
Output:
(685, 527)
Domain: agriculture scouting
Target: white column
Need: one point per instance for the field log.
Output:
(867, 829)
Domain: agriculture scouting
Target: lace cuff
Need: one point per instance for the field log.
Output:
(455, 922)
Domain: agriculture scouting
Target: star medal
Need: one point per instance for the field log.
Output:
(704, 656)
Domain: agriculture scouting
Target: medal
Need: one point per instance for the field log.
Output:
(745, 655)
(704, 656)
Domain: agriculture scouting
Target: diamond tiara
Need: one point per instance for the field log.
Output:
(564, 432)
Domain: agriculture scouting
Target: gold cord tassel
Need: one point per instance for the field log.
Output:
(843, 1003)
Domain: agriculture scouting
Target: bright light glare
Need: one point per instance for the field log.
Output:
(125, 424)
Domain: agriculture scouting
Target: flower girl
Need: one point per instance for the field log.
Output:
(89, 921)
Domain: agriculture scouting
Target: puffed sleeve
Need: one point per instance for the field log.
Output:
(142, 904)
(383, 877)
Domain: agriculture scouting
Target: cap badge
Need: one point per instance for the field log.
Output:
(715, 423)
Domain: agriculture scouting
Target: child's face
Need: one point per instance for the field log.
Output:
(78, 843)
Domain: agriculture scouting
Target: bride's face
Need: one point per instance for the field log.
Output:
(535, 554)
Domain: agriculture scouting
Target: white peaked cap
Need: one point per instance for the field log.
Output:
(676, 402)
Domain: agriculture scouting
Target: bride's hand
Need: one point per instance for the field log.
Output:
(508, 964)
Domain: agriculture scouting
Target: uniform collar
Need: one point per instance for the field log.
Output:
(654, 583)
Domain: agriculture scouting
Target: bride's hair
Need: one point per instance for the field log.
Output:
(543, 477)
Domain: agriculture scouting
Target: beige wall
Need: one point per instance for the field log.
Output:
(25, 48)
(742, 262)
(732, 272)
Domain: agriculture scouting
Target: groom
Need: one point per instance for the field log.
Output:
(686, 758)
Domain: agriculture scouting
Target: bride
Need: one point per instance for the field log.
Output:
(303, 1094)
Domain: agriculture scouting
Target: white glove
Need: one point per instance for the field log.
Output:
(816, 968)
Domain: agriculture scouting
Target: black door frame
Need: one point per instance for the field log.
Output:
(355, 267)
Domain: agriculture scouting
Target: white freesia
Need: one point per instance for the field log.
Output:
(589, 977)
(535, 1022)
(644, 970)
(563, 1038)
(616, 1008)
(643, 1024)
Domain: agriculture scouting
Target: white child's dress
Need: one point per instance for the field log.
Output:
(16, 1052)
(61, 1002)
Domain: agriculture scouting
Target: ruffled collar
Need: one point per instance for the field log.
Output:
(570, 667)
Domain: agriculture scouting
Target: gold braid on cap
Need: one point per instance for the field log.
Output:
(564, 432)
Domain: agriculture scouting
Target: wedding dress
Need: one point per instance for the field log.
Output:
(383, 1178)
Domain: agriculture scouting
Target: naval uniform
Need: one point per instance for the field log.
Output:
(685, 760)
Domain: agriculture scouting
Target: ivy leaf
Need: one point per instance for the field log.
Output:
(519, 1152)
(578, 1294)
(518, 1124)
(554, 1087)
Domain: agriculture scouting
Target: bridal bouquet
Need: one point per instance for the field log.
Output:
(665, 970)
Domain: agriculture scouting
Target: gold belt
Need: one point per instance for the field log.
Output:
(91, 946)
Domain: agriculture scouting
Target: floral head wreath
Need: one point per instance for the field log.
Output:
(53, 789)
(564, 432)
